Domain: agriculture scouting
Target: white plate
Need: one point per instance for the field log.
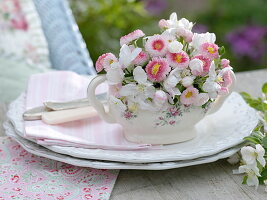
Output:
(217, 132)
(42, 151)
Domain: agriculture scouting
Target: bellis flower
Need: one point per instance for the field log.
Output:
(157, 69)
(156, 45)
(174, 68)
(131, 37)
(179, 60)
(189, 96)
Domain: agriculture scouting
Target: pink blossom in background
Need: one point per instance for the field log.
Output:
(248, 41)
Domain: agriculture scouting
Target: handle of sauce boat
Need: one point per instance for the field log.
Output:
(220, 100)
(106, 116)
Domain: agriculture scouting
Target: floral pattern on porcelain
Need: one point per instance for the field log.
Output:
(26, 176)
(171, 116)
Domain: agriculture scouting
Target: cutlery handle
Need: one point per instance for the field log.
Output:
(63, 116)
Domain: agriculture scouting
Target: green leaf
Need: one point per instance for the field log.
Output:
(245, 95)
(264, 88)
(264, 173)
(264, 142)
(221, 50)
(252, 139)
(245, 178)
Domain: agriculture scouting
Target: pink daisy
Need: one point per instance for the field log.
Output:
(157, 69)
(131, 37)
(156, 45)
(209, 50)
(141, 58)
(108, 60)
(225, 63)
(114, 90)
(189, 96)
(206, 62)
(180, 60)
(99, 63)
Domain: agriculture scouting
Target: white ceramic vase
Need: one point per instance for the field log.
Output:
(172, 125)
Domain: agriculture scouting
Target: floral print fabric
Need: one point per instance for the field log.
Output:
(21, 32)
(27, 176)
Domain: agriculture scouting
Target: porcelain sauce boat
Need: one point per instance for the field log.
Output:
(172, 125)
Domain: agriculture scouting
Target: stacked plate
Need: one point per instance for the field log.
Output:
(220, 135)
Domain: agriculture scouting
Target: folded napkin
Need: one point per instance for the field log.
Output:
(87, 133)
(26, 176)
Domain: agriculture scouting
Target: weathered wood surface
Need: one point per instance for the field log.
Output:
(213, 181)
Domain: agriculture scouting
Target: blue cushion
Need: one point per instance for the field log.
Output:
(66, 47)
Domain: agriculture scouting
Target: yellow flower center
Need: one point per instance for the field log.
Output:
(189, 94)
(155, 69)
(133, 107)
(111, 61)
(219, 79)
(141, 88)
(178, 58)
(158, 46)
(211, 50)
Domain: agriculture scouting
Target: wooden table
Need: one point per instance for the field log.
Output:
(212, 181)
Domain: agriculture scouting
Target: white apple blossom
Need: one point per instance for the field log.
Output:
(172, 22)
(201, 99)
(115, 74)
(160, 99)
(211, 86)
(250, 155)
(140, 92)
(234, 159)
(196, 66)
(201, 38)
(118, 103)
(175, 47)
(184, 23)
(171, 81)
(252, 173)
(127, 55)
(188, 81)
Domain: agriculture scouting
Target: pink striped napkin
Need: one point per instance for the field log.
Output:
(26, 176)
(88, 133)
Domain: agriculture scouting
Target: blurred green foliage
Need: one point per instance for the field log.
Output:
(103, 22)
(224, 16)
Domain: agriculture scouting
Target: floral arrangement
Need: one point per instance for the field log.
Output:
(253, 162)
(176, 67)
